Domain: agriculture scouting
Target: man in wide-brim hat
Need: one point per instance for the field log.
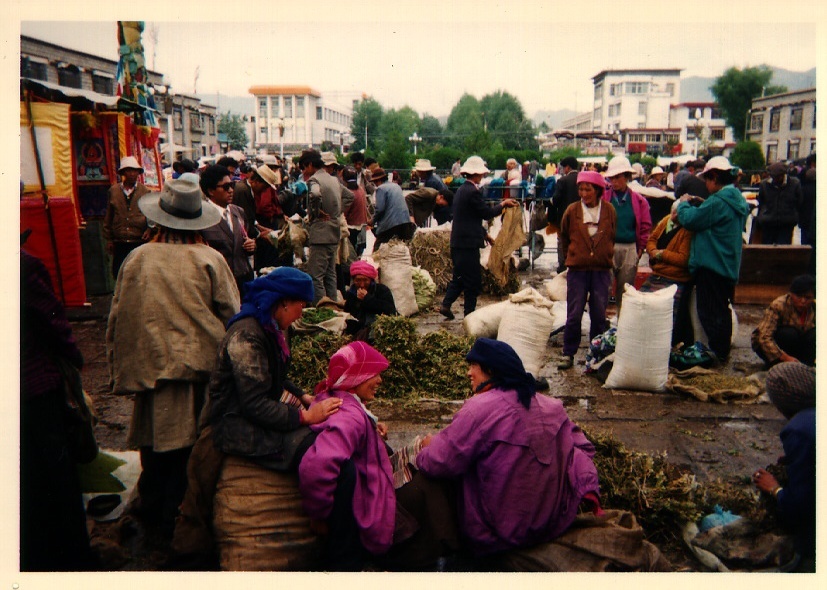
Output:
(172, 299)
(124, 226)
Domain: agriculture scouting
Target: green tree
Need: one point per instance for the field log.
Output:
(233, 126)
(397, 153)
(464, 121)
(748, 156)
(504, 118)
(367, 115)
(430, 130)
(443, 157)
(735, 89)
(563, 152)
(404, 122)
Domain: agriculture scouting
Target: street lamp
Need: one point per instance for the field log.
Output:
(281, 138)
(697, 124)
(415, 139)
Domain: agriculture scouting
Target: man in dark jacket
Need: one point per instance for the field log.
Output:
(468, 236)
(779, 199)
(565, 193)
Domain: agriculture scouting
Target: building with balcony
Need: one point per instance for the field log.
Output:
(289, 119)
(702, 129)
(634, 99)
(784, 124)
(194, 129)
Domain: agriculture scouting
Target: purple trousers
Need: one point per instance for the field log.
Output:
(585, 285)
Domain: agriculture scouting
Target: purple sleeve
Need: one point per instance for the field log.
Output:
(454, 449)
(320, 466)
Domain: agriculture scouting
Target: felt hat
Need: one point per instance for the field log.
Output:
(378, 174)
(179, 205)
(128, 163)
(268, 175)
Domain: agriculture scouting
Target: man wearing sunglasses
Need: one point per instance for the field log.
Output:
(229, 236)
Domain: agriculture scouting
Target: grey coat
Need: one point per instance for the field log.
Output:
(324, 198)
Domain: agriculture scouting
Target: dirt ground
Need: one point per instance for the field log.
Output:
(714, 441)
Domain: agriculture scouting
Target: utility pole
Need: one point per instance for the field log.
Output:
(195, 82)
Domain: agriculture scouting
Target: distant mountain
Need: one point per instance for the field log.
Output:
(237, 105)
(696, 88)
(554, 119)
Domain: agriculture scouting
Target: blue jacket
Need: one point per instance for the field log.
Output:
(469, 212)
(718, 224)
(391, 209)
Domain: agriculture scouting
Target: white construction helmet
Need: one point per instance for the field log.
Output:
(619, 165)
(474, 165)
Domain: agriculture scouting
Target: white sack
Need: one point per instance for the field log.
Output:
(526, 328)
(395, 272)
(557, 288)
(644, 340)
(484, 322)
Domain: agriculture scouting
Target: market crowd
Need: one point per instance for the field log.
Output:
(208, 287)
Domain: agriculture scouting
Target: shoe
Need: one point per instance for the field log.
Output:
(446, 311)
(567, 362)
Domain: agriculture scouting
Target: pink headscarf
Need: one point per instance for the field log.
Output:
(364, 268)
(352, 365)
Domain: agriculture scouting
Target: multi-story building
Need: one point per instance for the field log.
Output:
(291, 118)
(702, 128)
(634, 99)
(784, 124)
(194, 123)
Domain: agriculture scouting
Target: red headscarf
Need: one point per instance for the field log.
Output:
(364, 268)
(352, 365)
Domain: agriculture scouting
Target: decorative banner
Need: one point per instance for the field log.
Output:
(152, 170)
(54, 150)
(90, 158)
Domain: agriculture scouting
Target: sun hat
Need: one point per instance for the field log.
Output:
(619, 165)
(268, 175)
(130, 162)
(269, 159)
(329, 158)
(474, 165)
(423, 165)
(179, 205)
(656, 170)
(638, 171)
(378, 174)
(717, 163)
(591, 177)
(364, 268)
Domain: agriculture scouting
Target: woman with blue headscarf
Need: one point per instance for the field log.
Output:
(523, 468)
(252, 403)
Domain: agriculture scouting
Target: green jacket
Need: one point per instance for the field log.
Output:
(718, 224)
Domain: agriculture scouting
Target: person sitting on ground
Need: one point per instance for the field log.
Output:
(345, 477)
(668, 248)
(508, 449)
(366, 299)
(791, 388)
(586, 238)
(787, 332)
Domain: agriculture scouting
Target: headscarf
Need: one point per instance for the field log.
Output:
(264, 292)
(504, 366)
(352, 365)
(364, 268)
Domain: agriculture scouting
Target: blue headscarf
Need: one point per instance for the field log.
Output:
(505, 367)
(264, 292)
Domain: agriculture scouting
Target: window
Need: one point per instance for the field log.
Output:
(262, 108)
(775, 119)
(612, 89)
(637, 87)
(717, 134)
(274, 107)
(178, 118)
(792, 150)
(33, 69)
(211, 125)
(772, 153)
(715, 113)
(288, 107)
(653, 138)
(102, 85)
(299, 106)
(814, 118)
(262, 131)
(670, 89)
(690, 133)
(614, 110)
(796, 115)
(318, 113)
(636, 137)
(195, 122)
(69, 76)
(641, 108)
(598, 90)
(757, 122)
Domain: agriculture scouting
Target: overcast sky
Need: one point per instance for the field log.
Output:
(427, 55)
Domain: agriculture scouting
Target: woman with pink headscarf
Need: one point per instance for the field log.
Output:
(345, 477)
(366, 299)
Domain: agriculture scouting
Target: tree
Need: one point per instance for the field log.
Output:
(464, 121)
(404, 122)
(747, 155)
(504, 118)
(366, 117)
(397, 154)
(430, 130)
(734, 91)
(233, 126)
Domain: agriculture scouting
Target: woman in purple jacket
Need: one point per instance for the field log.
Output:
(523, 468)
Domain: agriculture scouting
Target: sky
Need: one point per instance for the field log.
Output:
(427, 54)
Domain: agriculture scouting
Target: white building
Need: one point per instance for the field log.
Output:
(289, 119)
(702, 128)
(784, 124)
(634, 99)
